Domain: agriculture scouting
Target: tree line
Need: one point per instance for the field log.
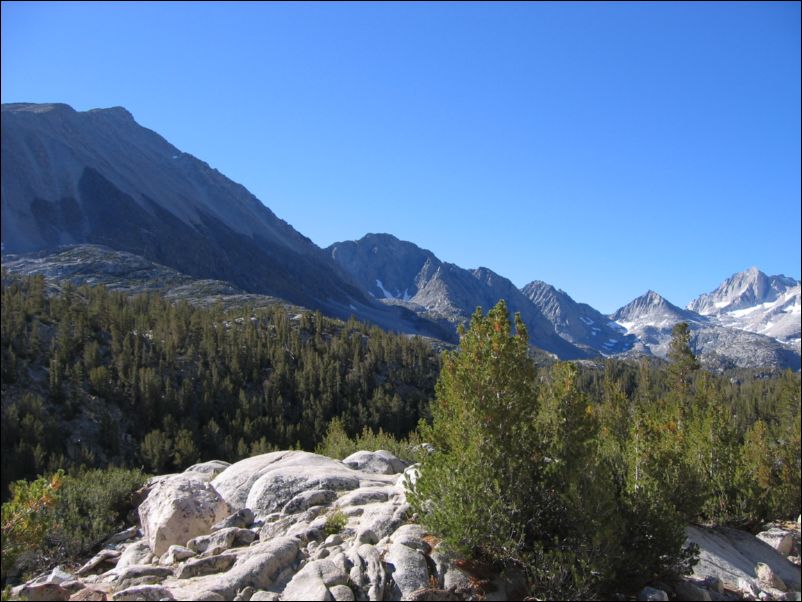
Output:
(146, 382)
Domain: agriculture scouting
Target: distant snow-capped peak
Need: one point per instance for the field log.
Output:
(742, 290)
(752, 301)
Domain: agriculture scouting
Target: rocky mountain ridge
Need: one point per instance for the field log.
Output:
(579, 322)
(400, 272)
(71, 179)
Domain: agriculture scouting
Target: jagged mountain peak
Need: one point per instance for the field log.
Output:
(742, 290)
(545, 286)
(489, 276)
(379, 242)
(653, 297)
(645, 303)
(752, 301)
(384, 237)
(651, 309)
(543, 293)
(388, 268)
(652, 318)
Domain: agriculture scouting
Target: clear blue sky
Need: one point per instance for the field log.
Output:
(604, 148)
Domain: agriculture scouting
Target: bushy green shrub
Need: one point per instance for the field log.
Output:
(65, 515)
(93, 505)
(336, 443)
(768, 474)
(483, 489)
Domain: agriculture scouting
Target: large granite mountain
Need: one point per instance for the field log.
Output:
(578, 323)
(752, 301)
(98, 177)
(401, 273)
(651, 318)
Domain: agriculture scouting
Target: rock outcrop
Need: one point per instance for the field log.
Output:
(178, 509)
(293, 525)
(287, 525)
(743, 564)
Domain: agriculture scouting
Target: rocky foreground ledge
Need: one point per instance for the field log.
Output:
(294, 525)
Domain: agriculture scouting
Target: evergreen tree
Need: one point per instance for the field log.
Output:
(477, 488)
(683, 362)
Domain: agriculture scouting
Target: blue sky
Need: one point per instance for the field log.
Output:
(604, 148)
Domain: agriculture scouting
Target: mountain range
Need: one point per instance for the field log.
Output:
(98, 177)
(400, 273)
(94, 197)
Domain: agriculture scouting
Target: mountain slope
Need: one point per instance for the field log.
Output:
(98, 177)
(131, 274)
(752, 301)
(651, 318)
(576, 322)
(400, 272)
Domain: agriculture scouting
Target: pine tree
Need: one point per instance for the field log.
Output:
(477, 488)
(683, 362)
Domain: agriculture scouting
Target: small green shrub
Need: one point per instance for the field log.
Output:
(337, 443)
(335, 522)
(68, 515)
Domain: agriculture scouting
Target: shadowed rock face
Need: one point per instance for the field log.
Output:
(401, 273)
(98, 177)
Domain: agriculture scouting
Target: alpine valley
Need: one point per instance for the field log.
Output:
(94, 198)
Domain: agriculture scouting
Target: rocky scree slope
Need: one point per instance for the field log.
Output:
(292, 525)
(98, 177)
